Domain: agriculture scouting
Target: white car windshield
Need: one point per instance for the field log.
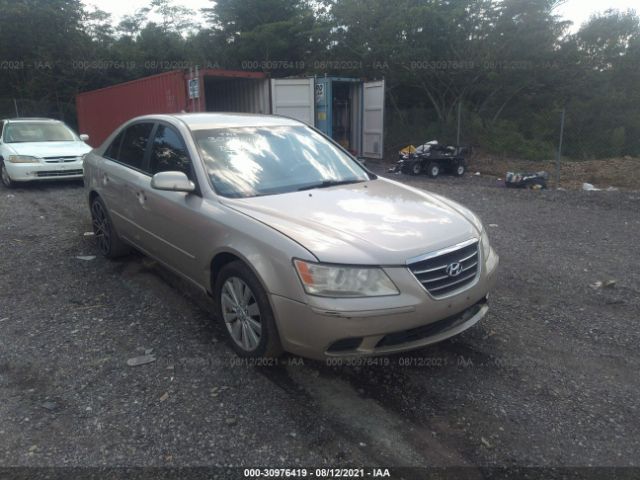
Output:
(23, 132)
(253, 161)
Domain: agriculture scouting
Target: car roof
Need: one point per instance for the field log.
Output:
(31, 119)
(207, 121)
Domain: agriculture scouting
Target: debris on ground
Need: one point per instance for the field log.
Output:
(164, 396)
(86, 258)
(536, 180)
(141, 360)
(88, 234)
(604, 284)
(588, 187)
(485, 442)
(50, 406)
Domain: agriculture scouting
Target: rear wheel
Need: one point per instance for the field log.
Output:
(6, 179)
(433, 170)
(106, 237)
(243, 306)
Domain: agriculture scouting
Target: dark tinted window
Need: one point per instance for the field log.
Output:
(134, 144)
(1, 127)
(168, 152)
(113, 149)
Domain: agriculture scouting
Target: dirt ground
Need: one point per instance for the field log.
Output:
(621, 173)
(548, 378)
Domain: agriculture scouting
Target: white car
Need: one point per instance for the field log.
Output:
(40, 149)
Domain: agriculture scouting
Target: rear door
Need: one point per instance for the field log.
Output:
(294, 98)
(124, 179)
(373, 119)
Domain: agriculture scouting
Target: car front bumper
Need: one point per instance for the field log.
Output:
(325, 328)
(26, 172)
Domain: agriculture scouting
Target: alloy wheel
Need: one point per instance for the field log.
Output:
(241, 313)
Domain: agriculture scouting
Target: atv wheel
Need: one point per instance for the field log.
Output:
(416, 168)
(459, 170)
(433, 170)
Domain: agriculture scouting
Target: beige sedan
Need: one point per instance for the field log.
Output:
(301, 248)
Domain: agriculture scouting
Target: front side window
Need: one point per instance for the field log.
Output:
(134, 144)
(26, 132)
(253, 161)
(168, 152)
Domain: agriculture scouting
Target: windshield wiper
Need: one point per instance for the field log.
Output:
(328, 183)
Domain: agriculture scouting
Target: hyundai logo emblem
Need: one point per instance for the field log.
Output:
(454, 269)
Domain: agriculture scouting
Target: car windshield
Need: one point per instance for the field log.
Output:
(22, 132)
(253, 161)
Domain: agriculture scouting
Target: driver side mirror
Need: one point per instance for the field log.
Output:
(172, 182)
(84, 137)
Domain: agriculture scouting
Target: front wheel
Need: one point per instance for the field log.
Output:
(6, 179)
(416, 168)
(105, 234)
(243, 306)
(459, 170)
(433, 170)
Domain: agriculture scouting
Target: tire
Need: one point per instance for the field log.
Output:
(459, 170)
(433, 170)
(4, 175)
(107, 240)
(243, 307)
(416, 168)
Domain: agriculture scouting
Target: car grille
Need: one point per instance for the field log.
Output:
(431, 269)
(60, 159)
(58, 173)
(431, 329)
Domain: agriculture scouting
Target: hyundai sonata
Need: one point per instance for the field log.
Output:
(301, 247)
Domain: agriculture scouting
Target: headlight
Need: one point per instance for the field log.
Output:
(486, 246)
(337, 281)
(23, 159)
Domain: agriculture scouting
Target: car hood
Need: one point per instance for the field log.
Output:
(49, 149)
(380, 222)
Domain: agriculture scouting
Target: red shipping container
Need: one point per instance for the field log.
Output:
(101, 111)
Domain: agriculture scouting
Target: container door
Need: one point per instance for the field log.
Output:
(294, 98)
(373, 119)
(323, 99)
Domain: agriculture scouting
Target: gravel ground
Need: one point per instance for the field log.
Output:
(549, 378)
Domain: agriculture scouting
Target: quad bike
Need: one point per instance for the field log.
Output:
(431, 158)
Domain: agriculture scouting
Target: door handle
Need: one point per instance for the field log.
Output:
(142, 197)
(105, 179)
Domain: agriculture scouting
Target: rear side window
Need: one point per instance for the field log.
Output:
(134, 144)
(169, 153)
(1, 128)
(114, 149)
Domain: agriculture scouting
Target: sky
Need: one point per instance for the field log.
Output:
(577, 11)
